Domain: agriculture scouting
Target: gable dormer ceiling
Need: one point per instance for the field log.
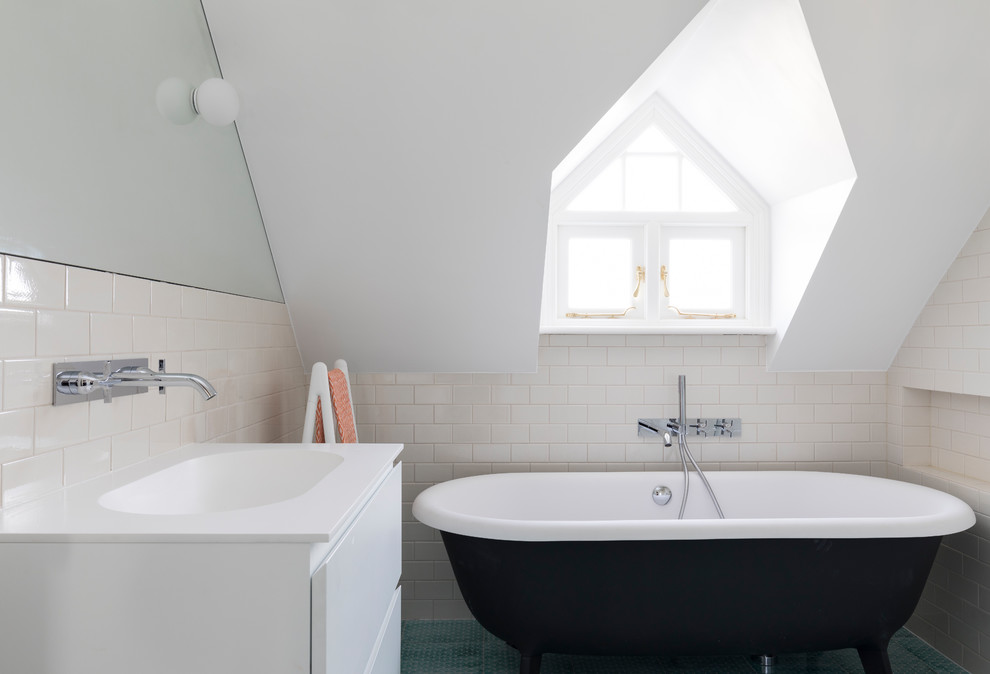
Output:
(402, 152)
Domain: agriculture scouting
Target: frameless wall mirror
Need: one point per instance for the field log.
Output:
(92, 175)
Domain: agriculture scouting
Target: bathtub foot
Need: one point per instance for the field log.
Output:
(766, 663)
(874, 658)
(530, 664)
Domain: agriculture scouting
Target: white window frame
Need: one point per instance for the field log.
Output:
(653, 315)
(635, 235)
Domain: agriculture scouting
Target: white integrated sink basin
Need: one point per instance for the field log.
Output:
(224, 482)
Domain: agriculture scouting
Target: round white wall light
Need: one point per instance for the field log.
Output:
(215, 100)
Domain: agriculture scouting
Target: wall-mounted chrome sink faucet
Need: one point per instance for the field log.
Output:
(92, 380)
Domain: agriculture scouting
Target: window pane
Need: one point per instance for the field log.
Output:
(604, 193)
(652, 140)
(599, 273)
(701, 194)
(700, 274)
(652, 183)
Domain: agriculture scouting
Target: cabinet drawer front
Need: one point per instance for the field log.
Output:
(386, 658)
(353, 589)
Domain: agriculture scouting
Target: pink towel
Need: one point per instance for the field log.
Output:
(318, 435)
(342, 410)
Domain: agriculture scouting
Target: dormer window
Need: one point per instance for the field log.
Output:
(652, 230)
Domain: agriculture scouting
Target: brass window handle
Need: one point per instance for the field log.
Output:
(664, 274)
(640, 277)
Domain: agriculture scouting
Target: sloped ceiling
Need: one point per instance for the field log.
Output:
(402, 152)
(910, 81)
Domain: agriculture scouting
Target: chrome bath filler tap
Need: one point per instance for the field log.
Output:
(679, 428)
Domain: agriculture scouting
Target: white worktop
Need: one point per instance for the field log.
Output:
(316, 516)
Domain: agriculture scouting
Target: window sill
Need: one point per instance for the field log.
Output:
(685, 327)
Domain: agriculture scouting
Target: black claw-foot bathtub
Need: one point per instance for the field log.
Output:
(587, 563)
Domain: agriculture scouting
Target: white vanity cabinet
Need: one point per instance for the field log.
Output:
(307, 584)
(355, 598)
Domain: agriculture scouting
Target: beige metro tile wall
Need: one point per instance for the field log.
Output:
(579, 411)
(50, 312)
(940, 435)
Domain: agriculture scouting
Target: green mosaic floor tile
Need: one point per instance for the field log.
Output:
(464, 647)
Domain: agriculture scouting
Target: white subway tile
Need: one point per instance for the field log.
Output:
(775, 433)
(626, 355)
(546, 433)
(587, 356)
(432, 433)
(813, 432)
(86, 460)
(510, 433)
(548, 395)
(568, 340)
(207, 334)
(453, 453)
(968, 313)
(107, 419)
(624, 395)
(702, 355)
(606, 340)
(395, 395)
(165, 437)
(32, 283)
(16, 434)
(530, 452)
(111, 334)
(58, 427)
(569, 375)
(606, 414)
(835, 413)
(469, 395)
(720, 375)
(529, 414)
(27, 383)
(471, 433)
(490, 414)
(552, 355)
(586, 433)
(607, 452)
(166, 300)
(433, 394)
(492, 453)
(510, 395)
(17, 333)
(776, 394)
(131, 295)
(149, 333)
(62, 333)
(666, 355)
(194, 304)
(568, 453)
(682, 340)
(606, 376)
(568, 414)
(448, 414)
(88, 290)
(31, 478)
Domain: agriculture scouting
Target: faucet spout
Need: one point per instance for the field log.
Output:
(142, 376)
